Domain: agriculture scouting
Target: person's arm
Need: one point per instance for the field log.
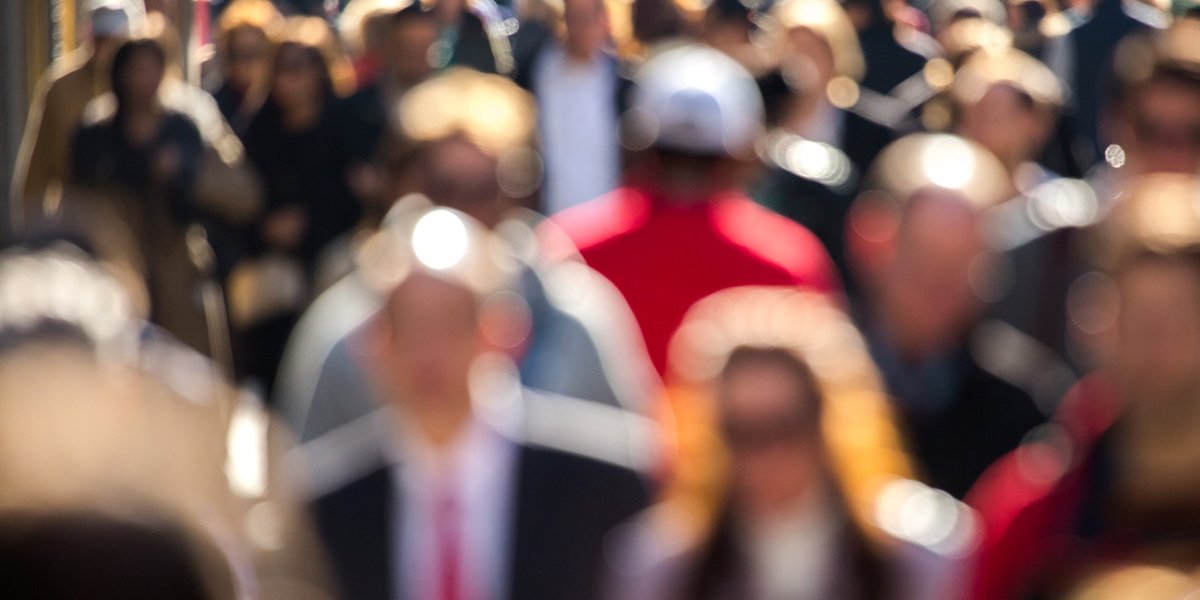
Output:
(35, 166)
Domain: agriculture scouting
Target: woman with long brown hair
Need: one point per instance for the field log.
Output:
(790, 480)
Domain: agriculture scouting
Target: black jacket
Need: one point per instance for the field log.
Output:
(565, 505)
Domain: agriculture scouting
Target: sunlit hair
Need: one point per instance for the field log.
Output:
(937, 161)
(1158, 216)
(418, 237)
(491, 111)
(362, 22)
(314, 34)
(260, 15)
(964, 37)
(856, 422)
(828, 21)
(58, 294)
(1027, 75)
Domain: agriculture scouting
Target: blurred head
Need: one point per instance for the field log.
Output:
(309, 65)
(57, 295)
(770, 418)
(1007, 102)
(796, 399)
(1157, 101)
(70, 554)
(465, 140)
(137, 72)
(408, 46)
(586, 27)
(819, 44)
(440, 273)
(243, 40)
(916, 242)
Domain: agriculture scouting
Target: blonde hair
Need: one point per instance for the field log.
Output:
(857, 422)
(827, 20)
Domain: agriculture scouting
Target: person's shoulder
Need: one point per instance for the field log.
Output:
(776, 240)
(595, 222)
(578, 434)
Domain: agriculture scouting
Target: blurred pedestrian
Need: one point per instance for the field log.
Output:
(822, 138)
(245, 34)
(463, 505)
(1113, 484)
(129, 419)
(300, 152)
(143, 162)
(917, 242)
(811, 472)
(682, 229)
(466, 140)
(1084, 60)
(578, 88)
(408, 39)
(43, 163)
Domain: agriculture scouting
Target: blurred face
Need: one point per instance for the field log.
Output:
(1159, 327)
(927, 298)
(246, 61)
(297, 77)
(1165, 128)
(1005, 122)
(587, 26)
(768, 428)
(434, 337)
(407, 50)
(457, 174)
(141, 77)
(809, 61)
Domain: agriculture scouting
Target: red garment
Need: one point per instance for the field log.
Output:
(1029, 500)
(664, 257)
(449, 547)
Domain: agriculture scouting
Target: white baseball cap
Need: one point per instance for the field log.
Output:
(694, 99)
(113, 18)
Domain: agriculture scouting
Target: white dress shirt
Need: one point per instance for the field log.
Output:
(795, 555)
(481, 465)
(578, 127)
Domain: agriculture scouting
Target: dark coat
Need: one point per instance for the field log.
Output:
(565, 505)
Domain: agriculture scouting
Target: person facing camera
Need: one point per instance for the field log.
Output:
(471, 499)
(808, 462)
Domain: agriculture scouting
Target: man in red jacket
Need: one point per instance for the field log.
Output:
(1117, 483)
(682, 229)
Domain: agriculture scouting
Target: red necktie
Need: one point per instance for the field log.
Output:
(448, 521)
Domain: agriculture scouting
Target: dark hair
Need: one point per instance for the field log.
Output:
(62, 555)
(122, 59)
(313, 54)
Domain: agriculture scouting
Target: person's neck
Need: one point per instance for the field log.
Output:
(579, 56)
(442, 422)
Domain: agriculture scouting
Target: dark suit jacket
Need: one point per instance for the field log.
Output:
(565, 506)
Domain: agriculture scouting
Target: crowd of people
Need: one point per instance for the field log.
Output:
(595, 299)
